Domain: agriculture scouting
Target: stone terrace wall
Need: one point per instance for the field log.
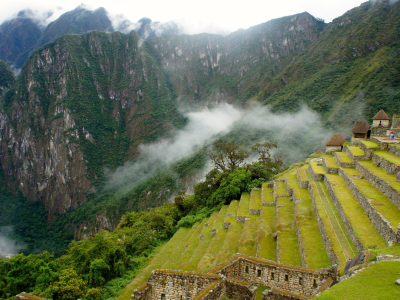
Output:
(213, 292)
(327, 243)
(327, 169)
(142, 292)
(314, 175)
(174, 284)
(367, 151)
(239, 290)
(267, 273)
(379, 221)
(346, 222)
(275, 294)
(383, 146)
(380, 184)
(389, 167)
(354, 158)
(303, 184)
(394, 150)
(342, 164)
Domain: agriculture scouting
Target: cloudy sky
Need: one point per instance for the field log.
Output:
(199, 16)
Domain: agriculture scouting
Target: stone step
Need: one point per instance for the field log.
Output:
(316, 169)
(387, 161)
(330, 165)
(312, 247)
(266, 240)
(381, 211)
(343, 160)
(288, 248)
(244, 208)
(207, 261)
(255, 202)
(355, 153)
(368, 147)
(379, 178)
(394, 149)
(362, 232)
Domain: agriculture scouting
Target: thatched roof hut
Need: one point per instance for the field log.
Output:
(381, 115)
(336, 140)
(360, 127)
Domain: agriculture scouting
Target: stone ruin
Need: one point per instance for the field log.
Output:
(237, 278)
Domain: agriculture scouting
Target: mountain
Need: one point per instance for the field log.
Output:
(84, 103)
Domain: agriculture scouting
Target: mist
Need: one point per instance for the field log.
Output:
(296, 134)
(8, 246)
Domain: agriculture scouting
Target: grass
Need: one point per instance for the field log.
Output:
(370, 145)
(163, 254)
(244, 204)
(302, 172)
(317, 169)
(201, 246)
(267, 193)
(331, 162)
(231, 244)
(255, 199)
(358, 219)
(207, 261)
(280, 189)
(394, 159)
(344, 158)
(374, 282)
(334, 228)
(289, 248)
(391, 179)
(266, 241)
(233, 207)
(378, 200)
(313, 245)
(248, 238)
(356, 151)
(260, 290)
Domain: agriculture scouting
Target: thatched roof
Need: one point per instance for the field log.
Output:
(336, 140)
(381, 115)
(360, 127)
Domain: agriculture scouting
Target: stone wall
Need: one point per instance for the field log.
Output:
(367, 151)
(215, 291)
(389, 167)
(333, 148)
(382, 145)
(342, 164)
(394, 150)
(142, 292)
(380, 184)
(235, 289)
(346, 222)
(353, 157)
(303, 184)
(378, 131)
(275, 294)
(327, 169)
(314, 175)
(379, 221)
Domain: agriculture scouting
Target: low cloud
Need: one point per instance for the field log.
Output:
(8, 246)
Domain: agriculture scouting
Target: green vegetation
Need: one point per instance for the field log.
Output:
(280, 188)
(331, 162)
(248, 239)
(394, 159)
(230, 245)
(362, 226)
(266, 232)
(316, 168)
(391, 179)
(374, 282)
(313, 245)
(289, 248)
(267, 193)
(255, 199)
(244, 203)
(356, 151)
(370, 145)
(344, 158)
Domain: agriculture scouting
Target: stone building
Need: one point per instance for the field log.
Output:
(360, 131)
(335, 143)
(237, 278)
(381, 119)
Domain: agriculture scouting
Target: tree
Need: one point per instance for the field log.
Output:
(227, 157)
(263, 151)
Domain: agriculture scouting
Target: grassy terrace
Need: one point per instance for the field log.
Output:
(314, 249)
(233, 207)
(344, 158)
(288, 243)
(231, 244)
(244, 203)
(374, 282)
(175, 259)
(394, 159)
(165, 252)
(317, 169)
(370, 145)
(268, 195)
(206, 262)
(302, 172)
(266, 241)
(248, 238)
(359, 221)
(391, 179)
(197, 248)
(255, 199)
(356, 151)
(380, 202)
(331, 162)
(333, 224)
(280, 188)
